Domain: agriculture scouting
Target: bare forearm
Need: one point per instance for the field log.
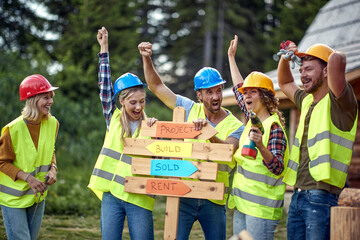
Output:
(284, 73)
(104, 48)
(336, 73)
(286, 80)
(151, 76)
(235, 73)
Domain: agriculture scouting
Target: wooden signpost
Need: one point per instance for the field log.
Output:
(173, 167)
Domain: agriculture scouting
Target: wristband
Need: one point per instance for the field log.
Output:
(27, 177)
(54, 166)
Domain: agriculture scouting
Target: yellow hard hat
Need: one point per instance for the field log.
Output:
(318, 50)
(257, 80)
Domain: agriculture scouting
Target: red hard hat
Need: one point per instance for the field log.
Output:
(33, 85)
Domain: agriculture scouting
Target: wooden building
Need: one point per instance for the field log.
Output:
(337, 25)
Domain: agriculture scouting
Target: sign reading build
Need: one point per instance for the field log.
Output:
(173, 167)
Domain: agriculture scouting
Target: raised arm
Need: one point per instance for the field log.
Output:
(236, 75)
(234, 70)
(153, 80)
(104, 77)
(285, 78)
(336, 72)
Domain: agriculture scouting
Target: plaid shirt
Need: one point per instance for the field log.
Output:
(106, 88)
(277, 140)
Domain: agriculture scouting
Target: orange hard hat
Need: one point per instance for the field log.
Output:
(257, 80)
(318, 50)
(33, 85)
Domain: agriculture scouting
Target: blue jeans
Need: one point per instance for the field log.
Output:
(211, 216)
(309, 214)
(259, 228)
(18, 223)
(113, 212)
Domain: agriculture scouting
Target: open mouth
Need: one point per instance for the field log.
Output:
(136, 114)
(305, 81)
(215, 104)
(248, 103)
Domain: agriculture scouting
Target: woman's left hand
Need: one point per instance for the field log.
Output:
(51, 177)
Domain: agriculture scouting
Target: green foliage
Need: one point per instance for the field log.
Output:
(82, 130)
(291, 18)
(12, 71)
(20, 26)
(70, 195)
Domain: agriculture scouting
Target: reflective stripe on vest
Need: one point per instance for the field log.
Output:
(18, 194)
(226, 127)
(112, 167)
(329, 148)
(260, 178)
(255, 190)
(257, 199)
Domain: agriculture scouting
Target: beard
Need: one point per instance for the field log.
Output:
(210, 107)
(319, 81)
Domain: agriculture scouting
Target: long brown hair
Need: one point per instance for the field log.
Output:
(272, 104)
(124, 117)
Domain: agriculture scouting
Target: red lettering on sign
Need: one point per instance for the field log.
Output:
(166, 187)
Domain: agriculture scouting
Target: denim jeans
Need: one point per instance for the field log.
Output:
(18, 223)
(259, 228)
(309, 214)
(113, 212)
(211, 216)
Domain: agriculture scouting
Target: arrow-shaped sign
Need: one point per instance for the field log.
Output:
(198, 150)
(175, 149)
(172, 168)
(176, 130)
(162, 129)
(166, 187)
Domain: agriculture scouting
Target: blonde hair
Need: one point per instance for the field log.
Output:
(30, 110)
(124, 117)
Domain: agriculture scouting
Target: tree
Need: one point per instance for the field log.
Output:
(199, 36)
(290, 19)
(21, 26)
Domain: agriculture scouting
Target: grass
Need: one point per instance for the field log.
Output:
(75, 227)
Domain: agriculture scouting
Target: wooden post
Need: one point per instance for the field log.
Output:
(172, 203)
(345, 218)
(175, 168)
(345, 223)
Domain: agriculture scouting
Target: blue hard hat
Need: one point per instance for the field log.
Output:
(207, 77)
(127, 80)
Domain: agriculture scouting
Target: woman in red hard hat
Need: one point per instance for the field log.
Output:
(27, 160)
(257, 189)
(112, 166)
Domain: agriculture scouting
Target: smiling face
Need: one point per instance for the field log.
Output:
(134, 104)
(211, 98)
(252, 99)
(312, 75)
(44, 103)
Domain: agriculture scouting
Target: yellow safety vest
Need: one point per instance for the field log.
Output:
(112, 166)
(330, 149)
(224, 128)
(256, 191)
(18, 194)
